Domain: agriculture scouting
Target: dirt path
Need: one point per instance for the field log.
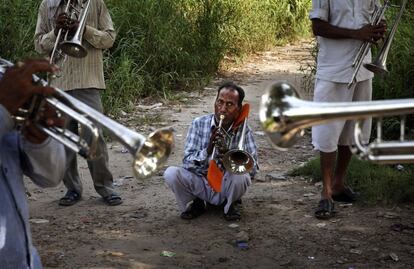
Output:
(277, 214)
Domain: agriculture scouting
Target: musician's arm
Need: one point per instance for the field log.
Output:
(44, 38)
(194, 151)
(104, 36)
(321, 26)
(44, 163)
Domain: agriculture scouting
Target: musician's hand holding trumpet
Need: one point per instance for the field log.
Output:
(18, 90)
(219, 139)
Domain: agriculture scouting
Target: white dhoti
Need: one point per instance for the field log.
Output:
(187, 186)
(327, 137)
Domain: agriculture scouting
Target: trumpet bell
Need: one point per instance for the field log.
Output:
(153, 153)
(238, 162)
(277, 126)
(73, 48)
(377, 68)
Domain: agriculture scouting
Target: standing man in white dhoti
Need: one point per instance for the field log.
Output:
(189, 182)
(341, 27)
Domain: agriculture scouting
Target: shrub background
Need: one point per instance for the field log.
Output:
(167, 45)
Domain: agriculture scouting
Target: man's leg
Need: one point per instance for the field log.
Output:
(187, 187)
(325, 139)
(98, 167)
(234, 187)
(342, 163)
(341, 192)
(71, 179)
(327, 163)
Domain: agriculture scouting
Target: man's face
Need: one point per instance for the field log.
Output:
(227, 104)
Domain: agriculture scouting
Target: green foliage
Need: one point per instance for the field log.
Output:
(399, 83)
(400, 61)
(376, 183)
(17, 26)
(166, 45)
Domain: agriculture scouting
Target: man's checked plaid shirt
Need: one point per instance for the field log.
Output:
(198, 137)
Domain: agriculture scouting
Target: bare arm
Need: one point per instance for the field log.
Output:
(366, 33)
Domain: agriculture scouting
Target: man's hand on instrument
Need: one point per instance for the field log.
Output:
(48, 117)
(371, 33)
(218, 140)
(65, 23)
(61, 22)
(17, 87)
(72, 27)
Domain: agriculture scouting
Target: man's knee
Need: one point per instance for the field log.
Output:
(239, 182)
(171, 175)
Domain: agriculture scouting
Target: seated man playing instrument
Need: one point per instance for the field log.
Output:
(202, 177)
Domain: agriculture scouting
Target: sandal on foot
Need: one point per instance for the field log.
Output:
(197, 208)
(346, 196)
(233, 214)
(325, 209)
(113, 199)
(70, 198)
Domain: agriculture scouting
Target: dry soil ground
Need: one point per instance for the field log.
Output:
(278, 224)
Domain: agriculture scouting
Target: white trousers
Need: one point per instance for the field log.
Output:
(187, 186)
(327, 137)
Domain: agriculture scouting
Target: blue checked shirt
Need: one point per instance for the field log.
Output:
(198, 137)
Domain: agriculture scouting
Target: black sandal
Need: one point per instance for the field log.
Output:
(197, 208)
(113, 199)
(233, 214)
(325, 209)
(70, 198)
(346, 196)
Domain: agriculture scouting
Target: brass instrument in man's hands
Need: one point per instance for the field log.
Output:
(239, 161)
(149, 153)
(221, 139)
(236, 161)
(378, 66)
(67, 44)
(284, 117)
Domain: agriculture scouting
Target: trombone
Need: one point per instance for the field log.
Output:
(238, 161)
(284, 117)
(149, 153)
(378, 66)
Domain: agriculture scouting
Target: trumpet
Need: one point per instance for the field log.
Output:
(284, 116)
(222, 144)
(149, 153)
(378, 66)
(73, 46)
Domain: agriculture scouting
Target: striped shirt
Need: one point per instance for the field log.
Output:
(198, 138)
(77, 73)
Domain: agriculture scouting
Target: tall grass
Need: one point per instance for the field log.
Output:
(168, 45)
(17, 26)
